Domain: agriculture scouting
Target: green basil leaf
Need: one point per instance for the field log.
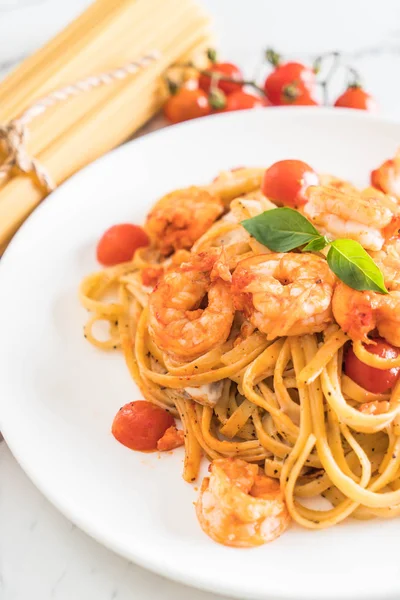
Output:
(317, 244)
(281, 229)
(354, 266)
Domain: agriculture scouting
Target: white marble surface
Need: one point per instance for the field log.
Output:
(42, 555)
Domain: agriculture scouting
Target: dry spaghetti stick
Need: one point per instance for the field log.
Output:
(97, 46)
(69, 153)
(22, 84)
(57, 120)
(101, 42)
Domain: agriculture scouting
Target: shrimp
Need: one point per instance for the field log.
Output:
(388, 261)
(387, 176)
(338, 184)
(181, 217)
(229, 232)
(388, 258)
(359, 313)
(352, 216)
(240, 507)
(284, 294)
(177, 323)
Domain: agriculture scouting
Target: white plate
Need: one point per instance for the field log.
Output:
(58, 395)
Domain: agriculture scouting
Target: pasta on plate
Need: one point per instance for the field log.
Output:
(283, 375)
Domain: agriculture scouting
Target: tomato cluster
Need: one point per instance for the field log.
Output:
(217, 89)
(222, 88)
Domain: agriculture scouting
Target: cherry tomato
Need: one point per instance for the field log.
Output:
(286, 181)
(186, 104)
(356, 97)
(241, 100)
(139, 425)
(291, 73)
(301, 98)
(226, 70)
(119, 243)
(374, 380)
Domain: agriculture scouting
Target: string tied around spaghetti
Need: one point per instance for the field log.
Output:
(14, 135)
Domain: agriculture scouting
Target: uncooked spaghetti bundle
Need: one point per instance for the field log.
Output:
(117, 52)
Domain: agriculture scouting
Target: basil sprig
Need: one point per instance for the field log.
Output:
(284, 229)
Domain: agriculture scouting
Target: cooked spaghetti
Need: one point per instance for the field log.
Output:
(254, 352)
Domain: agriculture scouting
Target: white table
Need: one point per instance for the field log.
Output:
(42, 555)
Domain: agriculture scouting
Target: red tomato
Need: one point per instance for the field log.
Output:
(286, 181)
(241, 100)
(291, 73)
(186, 104)
(374, 380)
(302, 99)
(119, 243)
(226, 70)
(139, 425)
(356, 97)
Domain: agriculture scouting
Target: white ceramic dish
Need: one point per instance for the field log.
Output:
(58, 395)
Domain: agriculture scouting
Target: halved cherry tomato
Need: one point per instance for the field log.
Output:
(186, 104)
(139, 425)
(241, 100)
(374, 380)
(356, 97)
(286, 181)
(226, 70)
(291, 73)
(119, 243)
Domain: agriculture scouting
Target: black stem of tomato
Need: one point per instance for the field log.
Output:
(334, 66)
(231, 80)
(354, 77)
(210, 74)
